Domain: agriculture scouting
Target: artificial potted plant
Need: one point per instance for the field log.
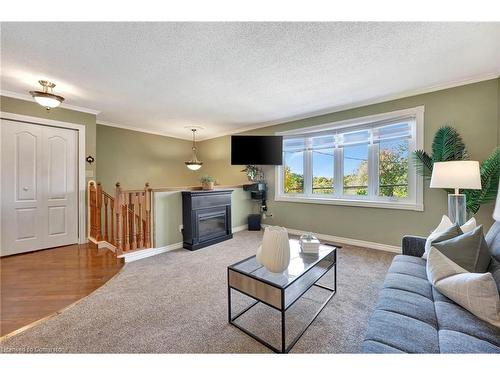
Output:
(448, 145)
(207, 182)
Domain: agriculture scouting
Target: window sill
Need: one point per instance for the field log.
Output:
(410, 206)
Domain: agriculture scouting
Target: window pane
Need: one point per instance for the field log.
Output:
(322, 165)
(357, 137)
(294, 144)
(356, 170)
(393, 168)
(393, 131)
(293, 172)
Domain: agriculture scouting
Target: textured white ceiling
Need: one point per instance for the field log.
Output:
(228, 76)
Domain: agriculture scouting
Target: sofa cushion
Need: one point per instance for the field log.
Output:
(396, 326)
(408, 266)
(409, 283)
(453, 317)
(370, 346)
(402, 333)
(458, 342)
(476, 292)
(409, 304)
(409, 259)
(493, 240)
(494, 268)
(439, 297)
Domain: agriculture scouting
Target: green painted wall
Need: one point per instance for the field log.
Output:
(30, 108)
(472, 109)
(168, 214)
(134, 158)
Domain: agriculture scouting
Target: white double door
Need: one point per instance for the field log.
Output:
(39, 187)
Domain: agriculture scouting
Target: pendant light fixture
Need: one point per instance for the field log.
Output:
(194, 164)
(47, 98)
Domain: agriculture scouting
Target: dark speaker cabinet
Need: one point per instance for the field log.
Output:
(206, 217)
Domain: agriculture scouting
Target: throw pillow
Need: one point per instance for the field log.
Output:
(451, 232)
(468, 250)
(493, 240)
(475, 292)
(444, 225)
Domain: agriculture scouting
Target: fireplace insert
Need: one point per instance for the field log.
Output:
(206, 218)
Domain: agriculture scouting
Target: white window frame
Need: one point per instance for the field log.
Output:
(415, 183)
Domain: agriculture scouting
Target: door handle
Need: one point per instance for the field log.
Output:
(25, 188)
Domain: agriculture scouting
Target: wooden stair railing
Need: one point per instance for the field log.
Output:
(124, 221)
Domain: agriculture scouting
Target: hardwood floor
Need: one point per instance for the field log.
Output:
(38, 284)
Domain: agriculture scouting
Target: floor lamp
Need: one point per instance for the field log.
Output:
(463, 174)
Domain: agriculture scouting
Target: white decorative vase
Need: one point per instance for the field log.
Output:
(274, 253)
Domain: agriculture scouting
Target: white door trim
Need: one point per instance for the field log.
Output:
(82, 234)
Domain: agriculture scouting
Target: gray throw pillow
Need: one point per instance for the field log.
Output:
(468, 250)
(493, 240)
(448, 234)
(494, 268)
(476, 292)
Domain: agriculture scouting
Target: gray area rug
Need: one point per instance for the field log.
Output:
(176, 302)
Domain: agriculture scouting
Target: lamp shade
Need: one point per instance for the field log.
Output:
(460, 174)
(496, 213)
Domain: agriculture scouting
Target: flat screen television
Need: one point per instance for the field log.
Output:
(256, 150)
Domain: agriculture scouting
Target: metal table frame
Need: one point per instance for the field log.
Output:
(284, 348)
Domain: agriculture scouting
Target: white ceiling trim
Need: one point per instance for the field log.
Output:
(382, 99)
(16, 95)
(405, 94)
(142, 130)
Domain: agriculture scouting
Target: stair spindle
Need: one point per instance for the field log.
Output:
(98, 234)
(147, 219)
(106, 238)
(123, 220)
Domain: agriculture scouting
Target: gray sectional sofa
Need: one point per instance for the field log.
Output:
(413, 317)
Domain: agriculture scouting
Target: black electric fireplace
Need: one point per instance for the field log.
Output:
(206, 217)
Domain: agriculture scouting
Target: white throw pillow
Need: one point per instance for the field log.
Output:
(475, 292)
(443, 226)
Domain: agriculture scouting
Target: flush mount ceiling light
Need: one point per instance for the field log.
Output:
(194, 164)
(47, 98)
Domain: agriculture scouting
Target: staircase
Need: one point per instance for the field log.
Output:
(122, 221)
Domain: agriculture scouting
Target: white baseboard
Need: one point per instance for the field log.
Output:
(348, 241)
(146, 253)
(240, 228)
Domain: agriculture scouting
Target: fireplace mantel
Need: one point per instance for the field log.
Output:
(206, 217)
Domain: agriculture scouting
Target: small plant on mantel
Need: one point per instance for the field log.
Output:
(207, 182)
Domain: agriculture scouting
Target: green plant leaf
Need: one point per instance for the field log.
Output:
(448, 145)
(490, 175)
(423, 163)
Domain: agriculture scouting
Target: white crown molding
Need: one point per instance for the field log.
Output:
(200, 138)
(382, 99)
(16, 95)
(142, 130)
